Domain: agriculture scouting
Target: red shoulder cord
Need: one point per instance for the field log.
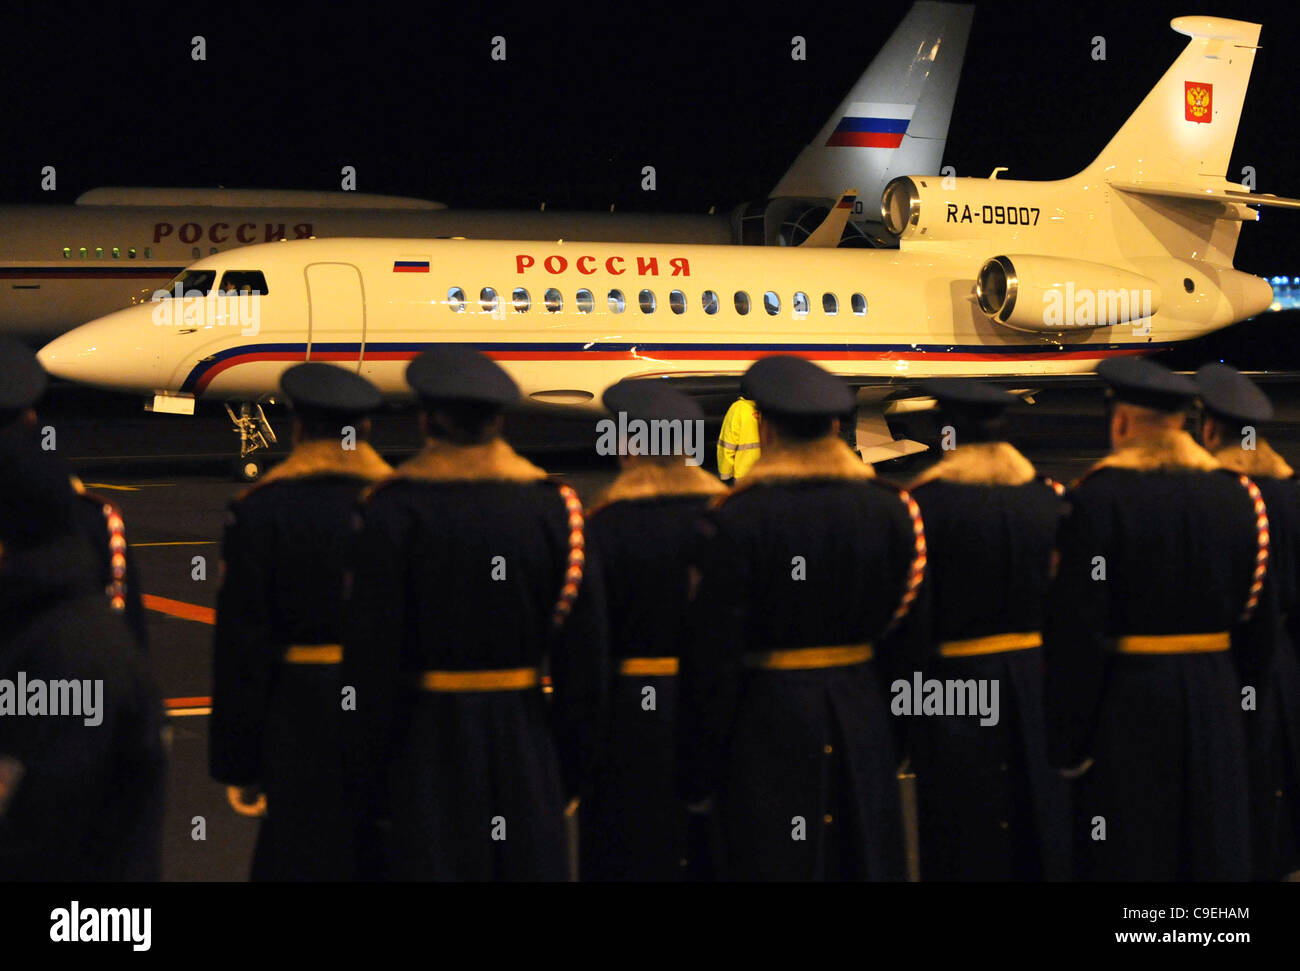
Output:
(1261, 547)
(916, 572)
(577, 556)
(116, 588)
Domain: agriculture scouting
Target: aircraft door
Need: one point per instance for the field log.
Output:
(336, 314)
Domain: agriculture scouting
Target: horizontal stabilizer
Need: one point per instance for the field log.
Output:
(1209, 194)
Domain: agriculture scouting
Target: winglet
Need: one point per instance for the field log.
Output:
(832, 227)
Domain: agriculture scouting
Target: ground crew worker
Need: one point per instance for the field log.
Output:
(1234, 408)
(990, 528)
(738, 445)
(99, 520)
(81, 788)
(641, 528)
(1162, 559)
(276, 698)
(785, 728)
(468, 567)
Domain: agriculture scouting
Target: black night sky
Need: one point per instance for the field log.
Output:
(588, 95)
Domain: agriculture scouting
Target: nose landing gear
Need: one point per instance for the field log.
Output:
(255, 432)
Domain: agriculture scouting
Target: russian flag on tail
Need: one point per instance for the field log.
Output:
(870, 124)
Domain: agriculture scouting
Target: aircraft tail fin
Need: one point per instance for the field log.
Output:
(1183, 132)
(894, 121)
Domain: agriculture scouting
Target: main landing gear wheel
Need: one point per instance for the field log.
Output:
(248, 469)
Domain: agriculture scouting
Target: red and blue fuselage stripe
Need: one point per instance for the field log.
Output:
(202, 374)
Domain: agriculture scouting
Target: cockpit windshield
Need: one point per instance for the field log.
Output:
(190, 283)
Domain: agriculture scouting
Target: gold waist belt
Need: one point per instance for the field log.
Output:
(501, 679)
(314, 654)
(993, 644)
(1173, 643)
(806, 658)
(648, 666)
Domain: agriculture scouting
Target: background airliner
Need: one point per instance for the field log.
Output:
(992, 277)
(61, 266)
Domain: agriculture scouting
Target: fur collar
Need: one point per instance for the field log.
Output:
(650, 480)
(443, 461)
(1167, 450)
(822, 458)
(322, 457)
(1261, 462)
(980, 463)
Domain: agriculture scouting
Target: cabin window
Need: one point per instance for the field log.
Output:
(487, 299)
(83, 252)
(130, 253)
(212, 251)
(148, 252)
(191, 283)
(859, 305)
(742, 302)
(800, 304)
(554, 302)
(99, 253)
(646, 301)
(244, 281)
(709, 301)
(830, 304)
(116, 252)
(196, 252)
(677, 301)
(521, 300)
(771, 303)
(616, 302)
(67, 252)
(585, 301)
(456, 300)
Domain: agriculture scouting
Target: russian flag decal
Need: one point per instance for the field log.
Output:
(872, 125)
(410, 266)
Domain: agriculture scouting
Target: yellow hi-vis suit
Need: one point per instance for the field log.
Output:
(738, 442)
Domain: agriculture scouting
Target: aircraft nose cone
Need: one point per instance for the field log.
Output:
(120, 352)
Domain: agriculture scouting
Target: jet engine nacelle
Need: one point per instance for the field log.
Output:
(935, 207)
(1048, 294)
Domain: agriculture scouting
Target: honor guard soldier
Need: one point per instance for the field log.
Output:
(1233, 409)
(82, 770)
(990, 529)
(468, 566)
(98, 519)
(277, 699)
(738, 445)
(641, 529)
(804, 569)
(1162, 559)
